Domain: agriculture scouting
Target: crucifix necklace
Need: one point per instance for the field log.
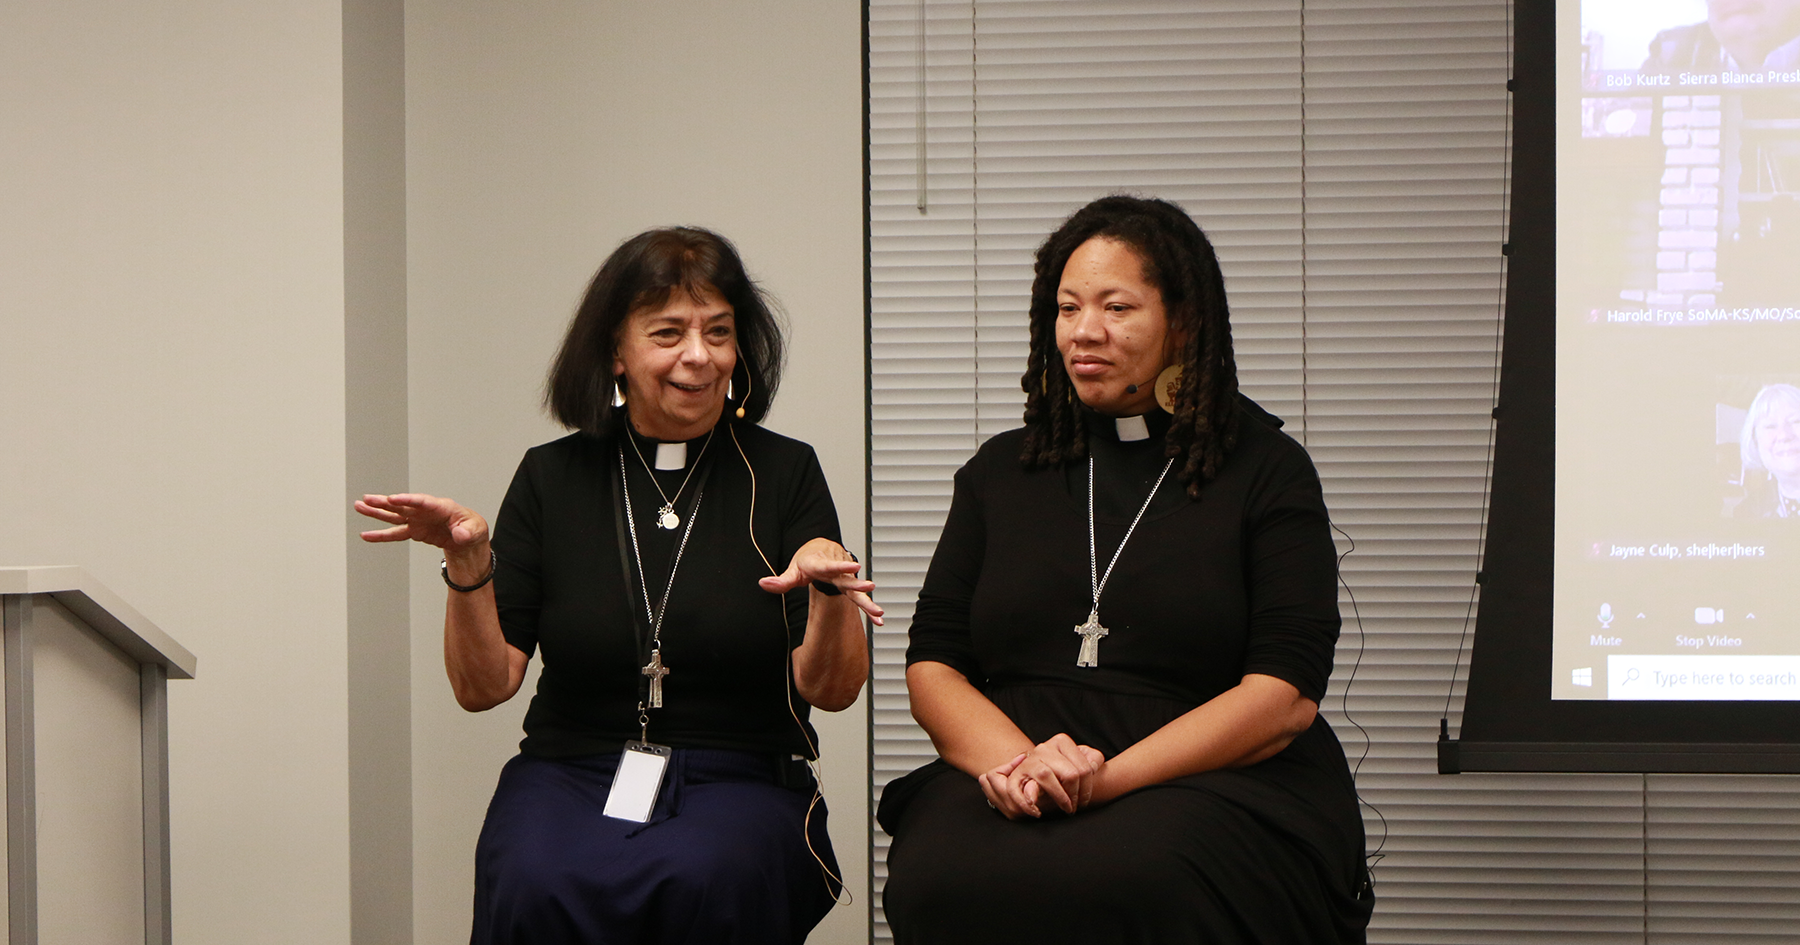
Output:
(1092, 631)
(665, 516)
(655, 668)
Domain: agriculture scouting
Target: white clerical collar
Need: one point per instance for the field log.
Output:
(674, 455)
(1131, 429)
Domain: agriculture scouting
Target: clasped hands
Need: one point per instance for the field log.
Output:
(1059, 770)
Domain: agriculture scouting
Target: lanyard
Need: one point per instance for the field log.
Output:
(648, 634)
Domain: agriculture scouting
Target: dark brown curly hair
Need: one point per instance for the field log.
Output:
(1180, 261)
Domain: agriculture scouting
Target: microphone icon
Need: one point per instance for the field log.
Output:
(1606, 616)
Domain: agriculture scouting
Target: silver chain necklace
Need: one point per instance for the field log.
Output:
(655, 668)
(1092, 631)
(665, 516)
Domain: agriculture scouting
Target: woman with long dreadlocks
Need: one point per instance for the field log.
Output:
(1124, 635)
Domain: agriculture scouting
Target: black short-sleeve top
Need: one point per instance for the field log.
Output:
(1241, 580)
(562, 591)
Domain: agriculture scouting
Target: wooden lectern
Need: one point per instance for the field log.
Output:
(87, 762)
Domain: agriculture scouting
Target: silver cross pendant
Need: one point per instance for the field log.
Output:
(1091, 632)
(656, 671)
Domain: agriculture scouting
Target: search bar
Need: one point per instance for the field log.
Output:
(1697, 677)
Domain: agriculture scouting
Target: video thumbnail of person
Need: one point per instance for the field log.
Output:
(1682, 186)
(1672, 46)
(1759, 449)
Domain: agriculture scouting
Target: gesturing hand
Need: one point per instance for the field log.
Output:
(425, 518)
(825, 560)
(1059, 769)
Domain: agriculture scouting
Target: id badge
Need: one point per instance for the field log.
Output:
(638, 781)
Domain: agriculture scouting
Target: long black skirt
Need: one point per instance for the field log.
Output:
(725, 857)
(1270, 854)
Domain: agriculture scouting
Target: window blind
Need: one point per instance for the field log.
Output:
(1348, 159)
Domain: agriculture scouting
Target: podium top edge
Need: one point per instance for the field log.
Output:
(105, 611)
(42, 579)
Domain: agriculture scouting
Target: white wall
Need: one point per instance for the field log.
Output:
(173, 361)
(540, 135)
(171, 403)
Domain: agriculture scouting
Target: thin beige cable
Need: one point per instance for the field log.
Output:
(843, 896)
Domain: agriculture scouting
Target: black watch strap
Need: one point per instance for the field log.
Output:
(832, 590)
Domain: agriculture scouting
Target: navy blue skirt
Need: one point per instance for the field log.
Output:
(723, 859)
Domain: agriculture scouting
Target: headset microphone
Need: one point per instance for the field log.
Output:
(1130, 388)
(788, 672)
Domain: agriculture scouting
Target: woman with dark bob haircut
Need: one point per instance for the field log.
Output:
(665, 789)
(1161, 773)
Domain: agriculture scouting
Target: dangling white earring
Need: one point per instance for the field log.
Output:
(618, 392)
(728, 390)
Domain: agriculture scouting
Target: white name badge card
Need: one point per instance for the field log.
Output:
(638, 781)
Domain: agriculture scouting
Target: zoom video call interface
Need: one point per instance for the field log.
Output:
(1678, 350)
